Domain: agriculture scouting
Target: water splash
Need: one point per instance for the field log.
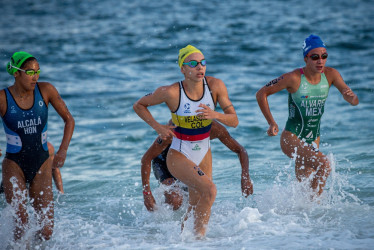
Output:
(10, 221)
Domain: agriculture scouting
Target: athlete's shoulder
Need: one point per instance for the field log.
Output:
(213, 80)
(48, 91)
(166, 93)
(2, 94)
(167, 90)
(3, 103)
(332, 75)
(330, 71)
(290, 80)
(174, 86)
(293, 75)
(215, 84)
(45, 86)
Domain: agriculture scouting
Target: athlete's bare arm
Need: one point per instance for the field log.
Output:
(220, 132)
(154, 150)
(165, 94)
(51, 95)
(220, 96)
(289, 81)
(336, 79)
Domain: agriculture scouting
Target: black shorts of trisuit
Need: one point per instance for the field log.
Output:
(30, 163)
(160, 170)
(159, 167)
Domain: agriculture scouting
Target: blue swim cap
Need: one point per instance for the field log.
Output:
(312, 42)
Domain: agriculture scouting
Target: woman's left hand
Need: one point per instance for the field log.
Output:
(59, 159)
(350, 96)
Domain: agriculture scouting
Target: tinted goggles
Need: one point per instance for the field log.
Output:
(193, 64)
(315, 57)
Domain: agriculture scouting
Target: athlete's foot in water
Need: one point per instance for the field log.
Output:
(317, 185)
(316, 193)
(312, 194)
(200, 237)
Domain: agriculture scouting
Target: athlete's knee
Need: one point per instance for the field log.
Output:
(328, 168)
(175, 199)
(20, 206)
(46, 232)
(22, 217)
(325, 165)
(47, 224)
(210, 192)
(326, 171)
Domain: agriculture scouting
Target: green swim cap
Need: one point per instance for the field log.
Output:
(17, 60)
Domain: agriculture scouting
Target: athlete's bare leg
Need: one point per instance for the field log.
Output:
(307, 160)
(173, 197)
(42, 195)
(56, 173)
(15, 190)
(201, 188)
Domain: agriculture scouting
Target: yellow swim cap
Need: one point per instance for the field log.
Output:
(185, 52)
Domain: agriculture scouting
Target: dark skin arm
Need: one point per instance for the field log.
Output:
(3, 106)
(220, 132)
(51, 95)
(217, 131)
(154, 150)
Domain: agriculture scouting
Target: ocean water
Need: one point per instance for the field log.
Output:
(104, 55)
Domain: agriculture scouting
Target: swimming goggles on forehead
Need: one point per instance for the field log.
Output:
(29, 72)
(315, 57)
(194, 63)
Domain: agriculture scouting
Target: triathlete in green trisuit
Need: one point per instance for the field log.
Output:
(308, 89)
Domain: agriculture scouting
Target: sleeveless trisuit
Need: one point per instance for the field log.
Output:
(306, 107)
(26, 133)
(192, 133)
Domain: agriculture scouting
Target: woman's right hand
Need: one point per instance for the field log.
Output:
(273, 129)
(165, 131)
(149, 201)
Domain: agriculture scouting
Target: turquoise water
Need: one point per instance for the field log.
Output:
(104, 55)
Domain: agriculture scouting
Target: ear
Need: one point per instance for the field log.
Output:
(17, 74)
(305, 59)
